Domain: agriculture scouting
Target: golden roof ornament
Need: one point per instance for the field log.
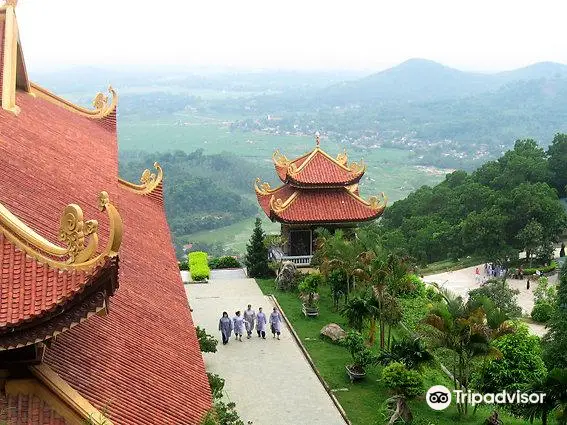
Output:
(317, 139)
(12, 3)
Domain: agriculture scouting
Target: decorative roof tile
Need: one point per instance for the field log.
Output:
(295, 205)
(146, 346)
(318, 169)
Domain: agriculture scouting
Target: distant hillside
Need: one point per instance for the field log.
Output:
(425, 80)
(201, 192)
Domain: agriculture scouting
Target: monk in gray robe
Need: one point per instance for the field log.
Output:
(238, 324)
(261, 322)
(249, 317)
(225, 327)
(275, 322)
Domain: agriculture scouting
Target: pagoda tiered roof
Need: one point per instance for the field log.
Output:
(88, 274)
(317, 188)
(318, 169)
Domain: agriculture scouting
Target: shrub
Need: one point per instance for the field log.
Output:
(413, 286)
(337, 281)
(544, 269)
(432, 294)
(500, 293)
(199, 266)
(362, 356)
(207, 343)
(217, 385)
(411, 352)
(402, 381)
(542, 312)
(183, 265)
(226, 262)
(309, 286)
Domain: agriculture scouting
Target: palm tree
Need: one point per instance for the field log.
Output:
(464, 331)
(335, 251)
(357, 311)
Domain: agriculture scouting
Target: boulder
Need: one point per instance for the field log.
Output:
(334, 332)
(287, 276)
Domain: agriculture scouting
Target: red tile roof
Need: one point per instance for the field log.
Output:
(143, 357)
(317, 205)
(29, 289)
(319, 169)
(28, 409)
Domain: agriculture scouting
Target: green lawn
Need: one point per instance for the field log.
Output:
(363, 401)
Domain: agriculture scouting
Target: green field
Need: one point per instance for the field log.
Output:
(388, 170)
(236, 236)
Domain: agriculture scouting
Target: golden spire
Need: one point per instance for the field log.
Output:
(317, 138)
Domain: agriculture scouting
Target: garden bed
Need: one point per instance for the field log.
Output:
(363, 401)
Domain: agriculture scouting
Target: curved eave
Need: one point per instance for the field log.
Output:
(285, 210)
(90, 299)
(102, 108)
(150, 182)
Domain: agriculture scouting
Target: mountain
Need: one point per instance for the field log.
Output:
(534, 72)
(412, 80)
(422, 80)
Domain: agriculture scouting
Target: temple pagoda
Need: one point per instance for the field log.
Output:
(317, 190)
(94, 321)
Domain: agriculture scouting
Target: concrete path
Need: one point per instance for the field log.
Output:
(463, 280)
(269, 380)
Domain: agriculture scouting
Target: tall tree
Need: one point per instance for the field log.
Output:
(555, 341)
(256, 253)
(557, 160)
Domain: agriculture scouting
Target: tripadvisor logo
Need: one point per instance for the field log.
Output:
(439, 397)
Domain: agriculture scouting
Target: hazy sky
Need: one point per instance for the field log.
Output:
(292, 34)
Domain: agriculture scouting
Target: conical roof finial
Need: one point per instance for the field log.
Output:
(13, 3)
(317, 140)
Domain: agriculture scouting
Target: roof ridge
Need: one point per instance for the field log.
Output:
(278, 206)
(102, 108)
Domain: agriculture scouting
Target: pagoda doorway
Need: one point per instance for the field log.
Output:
(301, 242)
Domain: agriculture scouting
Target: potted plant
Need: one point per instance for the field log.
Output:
(362, 356)
(309, 287)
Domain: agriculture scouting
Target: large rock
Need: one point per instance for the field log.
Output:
(334, 332)
(287, 276)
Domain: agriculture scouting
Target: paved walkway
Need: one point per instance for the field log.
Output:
(269, 380)
(463, 280)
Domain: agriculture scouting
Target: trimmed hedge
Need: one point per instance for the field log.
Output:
(199, 266)
(226, 262)
(545, 269)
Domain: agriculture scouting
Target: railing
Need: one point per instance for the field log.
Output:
(298, 260)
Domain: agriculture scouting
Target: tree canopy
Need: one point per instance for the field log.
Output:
(507, 205)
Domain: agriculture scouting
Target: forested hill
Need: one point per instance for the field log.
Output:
(201, 192)
(506, 206)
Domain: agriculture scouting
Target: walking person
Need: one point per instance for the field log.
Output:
(528, 284)
(225, 327)
(261, 322)
(249, 317)
(275, 323)
(238, 322)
